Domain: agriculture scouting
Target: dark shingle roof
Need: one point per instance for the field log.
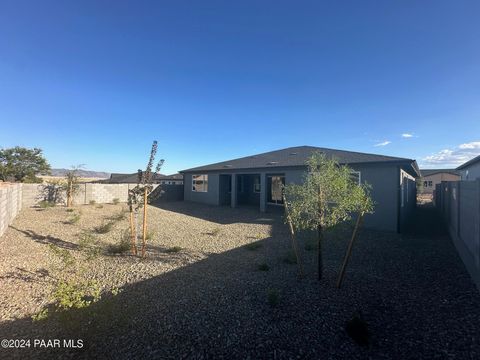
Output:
(297, 156)
(428, 172)
(469, 162)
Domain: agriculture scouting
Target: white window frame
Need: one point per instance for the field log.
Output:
(204, 178)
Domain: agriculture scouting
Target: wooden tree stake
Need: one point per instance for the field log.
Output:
(349, 250)
(145, 194)
(294, 241)
(132, 234)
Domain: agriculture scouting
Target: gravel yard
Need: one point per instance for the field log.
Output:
(208, 298)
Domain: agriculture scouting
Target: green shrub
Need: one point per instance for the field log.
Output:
(88, 244)
(118, 216)
(290, 258)
(115, 201)
(41, 315)
(104, 228)
(215, 231)
(76, 294)
(173, 249)
(99, 206)
(273, 297)
(46, 204)
(92, 202)
(75, 218)
(263, 267)
(70, 210)
(64, 255)
(123, 245)
(253, 246)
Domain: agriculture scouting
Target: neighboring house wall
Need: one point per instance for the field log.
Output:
(10, 204)
(459, 203)
(472, 172)
(383, 179)
(407, 199)
(428, 183)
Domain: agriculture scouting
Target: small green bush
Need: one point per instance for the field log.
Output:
(215, 231)
(149, 235)
(104, 228)
(273, 297)
(46, 204)
(88, 244)
(173, 249)
(92, 202)
(64, 255)
(122, 246)
(70, 210)
(118, 216)
(290, 258)
(41, 315)
(115, 201)
(253, 246)
(75, 218)
(99, 206)
(263, 267)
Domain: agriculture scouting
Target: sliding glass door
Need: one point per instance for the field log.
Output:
(275, 185)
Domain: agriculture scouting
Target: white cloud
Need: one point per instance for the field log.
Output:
(470, 145)
(407, 135)
(453, 157)
(383, 143)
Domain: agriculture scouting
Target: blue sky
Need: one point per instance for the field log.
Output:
(94, 82)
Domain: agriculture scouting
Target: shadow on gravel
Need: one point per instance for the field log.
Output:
(222, 214)
(219, 307)
(427, 222)
(46, 240)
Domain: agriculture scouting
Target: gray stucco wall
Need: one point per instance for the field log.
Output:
(473, 172)
(384, 180)
(210, 197)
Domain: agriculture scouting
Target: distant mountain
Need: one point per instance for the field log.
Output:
(82, 173)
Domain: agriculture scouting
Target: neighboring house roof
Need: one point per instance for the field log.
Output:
(428, 172)
(469, 162)
(133, 178)
(297, 156)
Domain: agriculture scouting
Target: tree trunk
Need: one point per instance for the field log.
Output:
(294, 241)
(132, 234)
(144, 240)
(349, 250)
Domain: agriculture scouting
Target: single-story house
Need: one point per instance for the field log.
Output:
(257, 180)
(115, 178)
(431, 177)
(471, 169)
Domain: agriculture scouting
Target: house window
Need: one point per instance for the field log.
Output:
(430, 183)
(356, 177)
(425, 184)
(256, 184)
(200, 183)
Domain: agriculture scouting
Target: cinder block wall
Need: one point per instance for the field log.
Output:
(100, 193)
(10, 204)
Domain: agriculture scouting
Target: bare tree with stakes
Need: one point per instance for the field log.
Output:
(138, 199)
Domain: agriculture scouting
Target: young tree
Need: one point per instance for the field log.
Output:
(327, 197)
(138, 198)
(72, 183)
(22, 164)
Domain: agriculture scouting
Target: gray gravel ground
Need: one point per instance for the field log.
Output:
(210, 301)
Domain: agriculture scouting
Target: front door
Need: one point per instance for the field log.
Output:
(275, 185)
